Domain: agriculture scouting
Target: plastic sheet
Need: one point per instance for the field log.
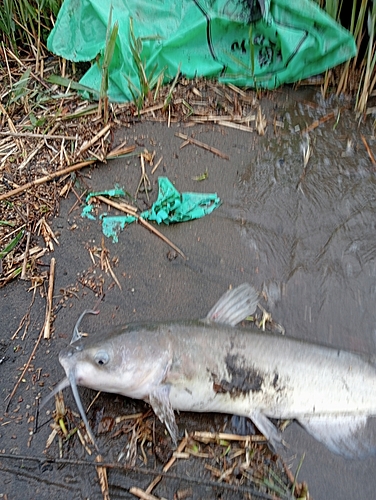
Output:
(255, 43)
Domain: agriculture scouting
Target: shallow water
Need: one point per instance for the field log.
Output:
(310, 230)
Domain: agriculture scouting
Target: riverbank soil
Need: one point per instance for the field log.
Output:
(296, 221)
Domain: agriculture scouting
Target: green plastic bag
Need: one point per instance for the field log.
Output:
(255, 43)
(170, 207)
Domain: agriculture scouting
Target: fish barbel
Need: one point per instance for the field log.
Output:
(210, 366)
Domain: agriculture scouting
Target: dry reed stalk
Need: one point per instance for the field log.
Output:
(207, 437)
(123, 207)
(38, 136)
(59, 173)
(51, 280)
(102, 477)
(236, 126)
(138, 492)
(87, 144)
(157, 165)
(26, 253)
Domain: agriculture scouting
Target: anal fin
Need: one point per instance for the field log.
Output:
(268, 429)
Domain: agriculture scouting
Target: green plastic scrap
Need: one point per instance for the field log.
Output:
(170, 207)
(259, 43)
(114, 193)
(86, 212)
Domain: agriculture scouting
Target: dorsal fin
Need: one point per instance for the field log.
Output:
(234, 306)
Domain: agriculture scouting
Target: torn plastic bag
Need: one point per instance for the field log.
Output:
(170, 207)
(255, 43)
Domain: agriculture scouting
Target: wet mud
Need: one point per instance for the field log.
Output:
(303, 234)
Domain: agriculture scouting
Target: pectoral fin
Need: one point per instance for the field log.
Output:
(345, 435)
(160, 402)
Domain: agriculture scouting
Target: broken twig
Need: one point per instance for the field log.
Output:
(368, 150)
(38, 136)
(316, 123)
(202, 145)
(129, 210)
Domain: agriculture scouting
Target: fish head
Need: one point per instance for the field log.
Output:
(123, 363)
(131, 360)
(94, 367)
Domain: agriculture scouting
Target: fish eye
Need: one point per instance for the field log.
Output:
(101, 357)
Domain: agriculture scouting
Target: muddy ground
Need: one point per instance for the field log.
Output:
(244, 240)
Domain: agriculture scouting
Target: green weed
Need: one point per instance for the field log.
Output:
(111, 35)
(147, 82)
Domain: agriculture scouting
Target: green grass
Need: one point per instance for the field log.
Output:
(12, 245)
(111, 35)
(147, 81)
(23, 23)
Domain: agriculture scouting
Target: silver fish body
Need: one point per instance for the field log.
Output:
(210, 366)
